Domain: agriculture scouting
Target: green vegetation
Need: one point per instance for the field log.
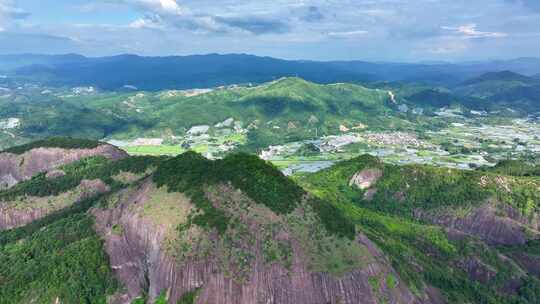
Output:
(154, 150)
(403, 189)
(189, 297)
(276, 250)
(285, 110)
(162, 299)
(391, 281)
(190, 172)
(514, 168)
(14, 235)
(532, 247)
(260, 180)
(117, 229)
(55, 142)
(62, 259)
(433, 98)
(502, 89)
(60, 256)
(139, 301)
(324, 251)
(422, 254)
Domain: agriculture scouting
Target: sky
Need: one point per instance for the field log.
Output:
(373, 30)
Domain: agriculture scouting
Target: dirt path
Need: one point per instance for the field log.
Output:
(392, 97)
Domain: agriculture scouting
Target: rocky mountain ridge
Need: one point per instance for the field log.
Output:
(235, 230)
(17, 167)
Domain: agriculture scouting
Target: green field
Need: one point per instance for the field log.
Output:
(154, 150)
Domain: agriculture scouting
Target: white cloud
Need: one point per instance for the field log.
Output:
(8, 9)
(470, 31)
(164, 14)
(146, 23)
(169, 7)
(160, 14)
(348, 34)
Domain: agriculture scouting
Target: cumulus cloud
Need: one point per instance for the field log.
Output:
(470, 31)
(147, 23)
(167, 7)
(160, 14)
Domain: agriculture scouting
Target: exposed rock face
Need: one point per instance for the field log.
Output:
(15, 168)
(477, 270)
(13, 218)
(365, 178)
(494, 223)
(140, 262)
(29, 209)
(529, 262)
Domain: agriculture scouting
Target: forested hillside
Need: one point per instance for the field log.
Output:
(126, 230)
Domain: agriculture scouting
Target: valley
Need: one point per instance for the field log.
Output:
(291, 122)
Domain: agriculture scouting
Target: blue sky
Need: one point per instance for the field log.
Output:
(375, 30)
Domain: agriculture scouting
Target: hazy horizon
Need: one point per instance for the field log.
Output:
(428, 62)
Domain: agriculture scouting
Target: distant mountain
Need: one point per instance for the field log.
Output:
(504, 88)
(500, 76)
(180, 72)
(437, 99)
(200, 71)
(527, 96)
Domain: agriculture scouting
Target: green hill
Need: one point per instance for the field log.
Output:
(60, 255)
(504, 76)
(240, 211)
(361, 229)
(432, 98)
(286, 109)
(478, 212)
(504, 89)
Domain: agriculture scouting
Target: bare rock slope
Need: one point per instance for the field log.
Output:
(25, 210)
(494, 222)
(15, 168)
(263, 258)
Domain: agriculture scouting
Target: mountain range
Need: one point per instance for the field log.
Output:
(202, 71)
